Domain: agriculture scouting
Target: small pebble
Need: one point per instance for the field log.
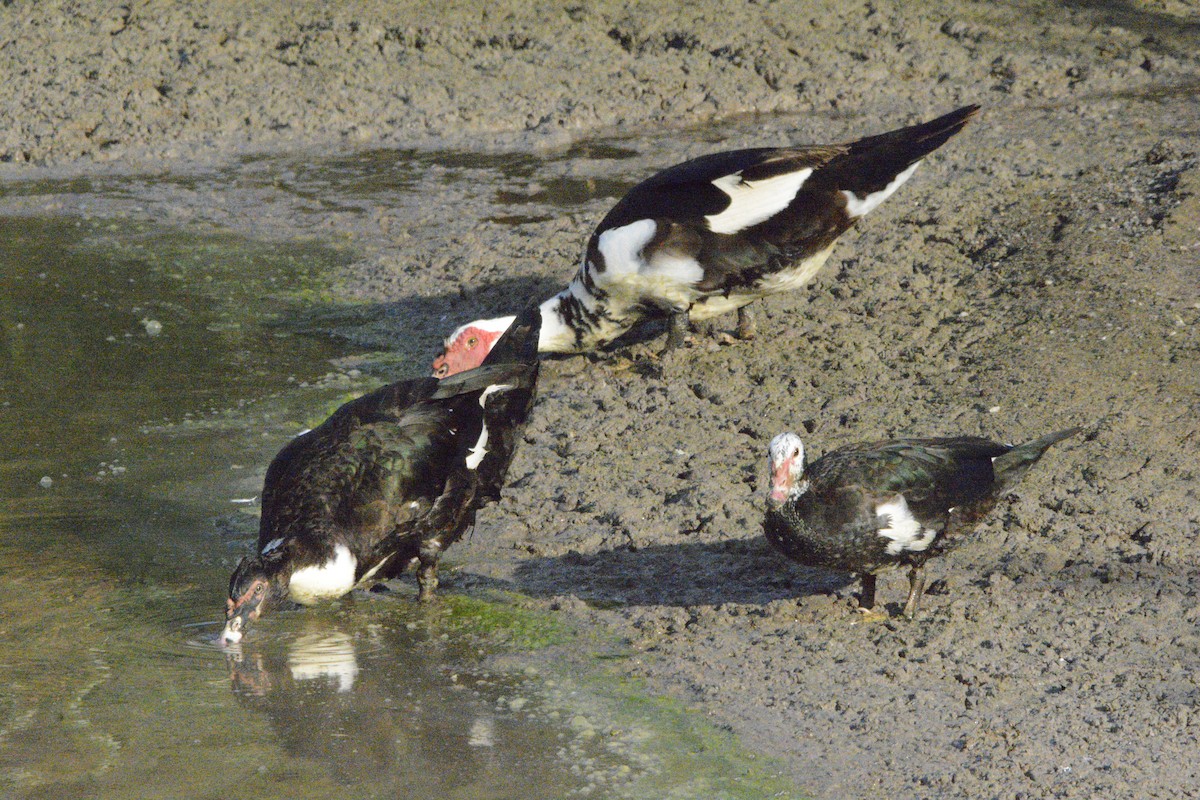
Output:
(46, 482)
(153, 327)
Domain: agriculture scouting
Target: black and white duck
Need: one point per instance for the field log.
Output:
(393, 477)
(866, 507)
(710, 235)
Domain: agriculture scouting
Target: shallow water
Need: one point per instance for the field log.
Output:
(142, 392)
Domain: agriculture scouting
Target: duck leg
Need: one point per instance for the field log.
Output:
(746, 329)
(678, 330)
(916, 586)
(866, 599)
(427, 571)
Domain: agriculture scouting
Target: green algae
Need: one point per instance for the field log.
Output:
(503, 623)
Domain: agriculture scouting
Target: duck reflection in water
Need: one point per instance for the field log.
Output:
(386, 709)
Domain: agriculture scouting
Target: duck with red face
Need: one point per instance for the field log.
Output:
(468, 345)
(390, 479)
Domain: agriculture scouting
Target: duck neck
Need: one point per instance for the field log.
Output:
(574, 321)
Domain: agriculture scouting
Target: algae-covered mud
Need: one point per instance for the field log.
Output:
(398, 171)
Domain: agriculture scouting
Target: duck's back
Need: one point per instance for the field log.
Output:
(845, 518)
(376, 463)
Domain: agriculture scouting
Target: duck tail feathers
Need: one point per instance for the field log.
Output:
(1011, 466)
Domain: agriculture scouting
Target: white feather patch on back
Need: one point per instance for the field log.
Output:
(903, 529)
(324, 581)
(752, 202)
(857, 207)
(271, 545)
(675, 268)
(622, 247)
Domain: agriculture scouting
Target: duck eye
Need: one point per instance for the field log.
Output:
(259, 589)
(471, 342)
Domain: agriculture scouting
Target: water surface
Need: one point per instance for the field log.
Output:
(145, 382)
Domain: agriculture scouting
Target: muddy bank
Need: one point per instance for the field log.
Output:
(143, 81)
(1041, 270)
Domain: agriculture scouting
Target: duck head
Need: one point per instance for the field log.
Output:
(258, 584)
(469, 345)
(785, 459)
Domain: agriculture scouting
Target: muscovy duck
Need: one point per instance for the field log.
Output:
(865, 507)
(710, 235)
(392, 477)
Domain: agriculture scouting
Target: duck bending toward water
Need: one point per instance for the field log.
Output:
(390, 478)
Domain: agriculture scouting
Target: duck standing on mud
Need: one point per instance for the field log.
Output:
(710, 235)
(392, 477)
(866, 507)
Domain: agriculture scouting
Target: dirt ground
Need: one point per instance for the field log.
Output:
(1041, 270)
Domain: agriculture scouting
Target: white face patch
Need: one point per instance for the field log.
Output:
(497, 325)
(785, 460)
(622, 247)
(556, 336)
(903, 529)
(752, 202)
(318, 655)
(271, 545)
(856, 207)
(786, 448)
(325, 581)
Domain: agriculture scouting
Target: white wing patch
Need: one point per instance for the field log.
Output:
(324, 581)
(371, 572)
(475, 456)
(903, 529)
(752, 202)
(857, 207)
(622, 247)
(674, 268)
(271, 545)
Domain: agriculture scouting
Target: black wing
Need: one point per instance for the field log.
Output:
(686, 194)
(932, 474)
(375, 460)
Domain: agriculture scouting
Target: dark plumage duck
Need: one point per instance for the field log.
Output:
(710, 235)
(866, 507)
(392, 477)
